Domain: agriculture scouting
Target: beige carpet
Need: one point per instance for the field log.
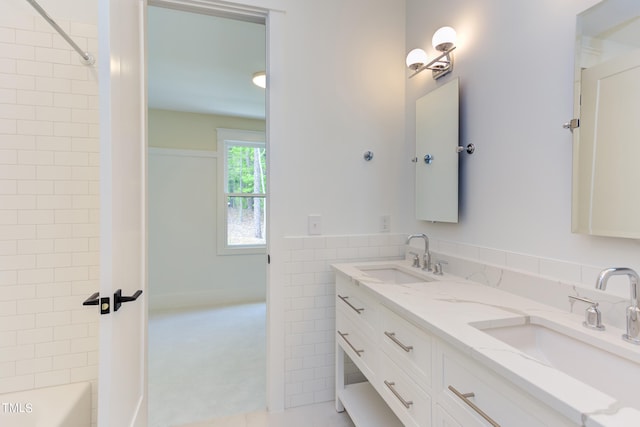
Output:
(206, 364)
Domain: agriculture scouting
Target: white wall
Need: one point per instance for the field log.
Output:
(515, 63)
(342, 83)
(185, 269)
(336, 90)
(49, 169)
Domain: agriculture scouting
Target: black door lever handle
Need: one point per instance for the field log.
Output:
(93, 299)
(118, 299)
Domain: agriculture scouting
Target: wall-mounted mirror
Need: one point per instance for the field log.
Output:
(437, 155)
(606, 145)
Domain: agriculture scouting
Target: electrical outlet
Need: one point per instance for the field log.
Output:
(385, 223)
(315, 224)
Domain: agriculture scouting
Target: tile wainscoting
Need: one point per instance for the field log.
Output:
(309, 286)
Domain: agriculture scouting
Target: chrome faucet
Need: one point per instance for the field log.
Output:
(426, 256)
(633, 317)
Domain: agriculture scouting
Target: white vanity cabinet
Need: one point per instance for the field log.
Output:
(408, 346)
(410, 403)
(405, 370)
(416, 379)
(356, 323)
(357, 344)
(357, 305)
(356, 320)
(393, 355)
(471, 396)
(441, 418)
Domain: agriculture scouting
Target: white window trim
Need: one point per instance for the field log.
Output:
(237, 137)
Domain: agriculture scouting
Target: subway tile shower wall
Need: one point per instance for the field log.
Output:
(49, 205)
(309, 303)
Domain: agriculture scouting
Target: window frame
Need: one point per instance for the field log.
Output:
(225, 138)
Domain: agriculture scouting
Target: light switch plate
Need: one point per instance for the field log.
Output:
(385, 223)
(315, 224)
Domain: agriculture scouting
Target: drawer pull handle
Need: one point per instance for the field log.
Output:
(391, 386)
(392, 337)
(465, 398)
(357, 310)
(344, 337)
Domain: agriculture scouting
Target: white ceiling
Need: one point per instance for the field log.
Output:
(204, 64)
(613, 20)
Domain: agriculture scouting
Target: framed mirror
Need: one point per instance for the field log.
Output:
(437, 121)
(606, 144)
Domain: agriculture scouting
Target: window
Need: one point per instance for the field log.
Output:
(244, 191)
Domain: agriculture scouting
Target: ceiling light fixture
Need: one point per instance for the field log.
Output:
(444, 40)
(260, 79)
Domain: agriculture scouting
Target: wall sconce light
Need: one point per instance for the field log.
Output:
(260, 79)
(444, 40)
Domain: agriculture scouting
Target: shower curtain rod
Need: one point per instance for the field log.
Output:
(87, 58)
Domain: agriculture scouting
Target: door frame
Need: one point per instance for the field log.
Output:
(273, 19)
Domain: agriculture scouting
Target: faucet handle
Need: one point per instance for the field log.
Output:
(416, 259)
(592, 316)
(437, 267)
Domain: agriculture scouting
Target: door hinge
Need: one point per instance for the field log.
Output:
(268, 259)
(572, 124)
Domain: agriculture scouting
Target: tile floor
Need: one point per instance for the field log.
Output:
(206, 364)
(320, 415)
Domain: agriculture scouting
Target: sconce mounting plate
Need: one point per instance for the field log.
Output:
(440, 66)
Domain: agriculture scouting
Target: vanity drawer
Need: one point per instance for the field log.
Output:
(442, 418)
(356, 344)
(480, 401)
(408, 346)
(410, 403)
(357, 305)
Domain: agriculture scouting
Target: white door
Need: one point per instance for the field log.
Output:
(122, 381)
(609, 129)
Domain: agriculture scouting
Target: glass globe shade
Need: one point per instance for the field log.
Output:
(416, 58)
(444, 38)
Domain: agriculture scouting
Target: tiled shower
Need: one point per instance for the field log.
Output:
(49, 205)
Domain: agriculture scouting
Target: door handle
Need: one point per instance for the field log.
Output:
(118, 299)
(95, 299)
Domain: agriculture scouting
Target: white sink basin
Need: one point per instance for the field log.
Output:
(392, 275)
(588, 359)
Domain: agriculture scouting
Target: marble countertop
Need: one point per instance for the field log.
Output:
(448, 306)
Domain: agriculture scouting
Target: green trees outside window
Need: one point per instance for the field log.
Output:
(246, 193)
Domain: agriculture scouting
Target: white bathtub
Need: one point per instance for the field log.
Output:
(60, 406)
